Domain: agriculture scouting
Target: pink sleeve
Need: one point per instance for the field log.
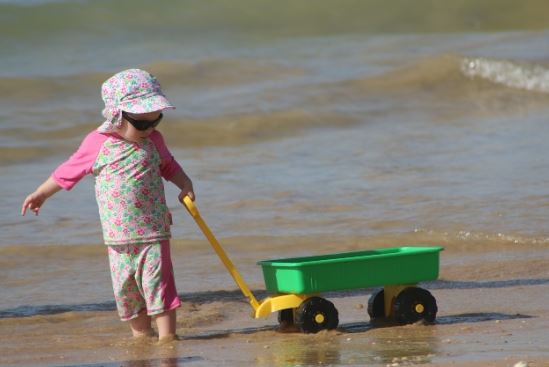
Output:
(168, 165)
(81, 162)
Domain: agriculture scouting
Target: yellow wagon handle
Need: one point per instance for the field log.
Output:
(193, 210)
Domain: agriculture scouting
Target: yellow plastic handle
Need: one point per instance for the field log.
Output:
(189, 204)
(193, 210)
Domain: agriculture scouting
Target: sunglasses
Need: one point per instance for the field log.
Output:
(142, 125)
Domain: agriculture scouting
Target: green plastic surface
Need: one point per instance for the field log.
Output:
(352, 270)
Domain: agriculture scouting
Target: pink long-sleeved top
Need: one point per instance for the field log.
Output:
(128, 185)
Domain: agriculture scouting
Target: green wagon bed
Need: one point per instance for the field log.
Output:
(351, 270)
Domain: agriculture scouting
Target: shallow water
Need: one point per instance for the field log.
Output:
(306, 131)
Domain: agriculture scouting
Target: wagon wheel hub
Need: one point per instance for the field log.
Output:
(419, 308)
(319, 318)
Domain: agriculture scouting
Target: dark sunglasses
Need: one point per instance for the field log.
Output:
(142, 125)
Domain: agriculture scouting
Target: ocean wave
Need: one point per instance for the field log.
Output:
(464, 237)
(206, 73)
(529, 77)
(453, 74)
(229, 102)
(250, 128)
(221, 79)
(442, 86)
(216, 72)
(229, 130)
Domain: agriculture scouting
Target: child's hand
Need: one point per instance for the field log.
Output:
(182, 195)
(33, 202)
(181, 180)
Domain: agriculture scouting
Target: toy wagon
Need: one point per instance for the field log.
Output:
(295, 284)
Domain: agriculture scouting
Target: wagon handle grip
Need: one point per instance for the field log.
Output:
(189, 205)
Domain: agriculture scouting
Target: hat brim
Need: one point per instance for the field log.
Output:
(145, 105)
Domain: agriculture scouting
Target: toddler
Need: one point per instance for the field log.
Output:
(128, 159)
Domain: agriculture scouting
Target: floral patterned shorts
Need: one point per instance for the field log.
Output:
(142, 279)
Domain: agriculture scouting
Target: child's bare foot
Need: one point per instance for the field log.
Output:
(141, 325)
(143, 333)
(167, 339)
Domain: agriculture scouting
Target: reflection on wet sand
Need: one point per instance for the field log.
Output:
(147, 352)
(318, 349)
(415, 345)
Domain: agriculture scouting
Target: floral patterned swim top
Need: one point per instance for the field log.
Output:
(128, 185)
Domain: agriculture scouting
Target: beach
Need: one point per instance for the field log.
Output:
(307, 130)
(490, 314)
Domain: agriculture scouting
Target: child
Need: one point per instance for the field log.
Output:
(128, 157)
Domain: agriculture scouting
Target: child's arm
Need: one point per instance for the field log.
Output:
(66, 175)
(35, 200)
(181, 180)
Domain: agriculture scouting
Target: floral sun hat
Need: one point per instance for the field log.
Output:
(133, 91)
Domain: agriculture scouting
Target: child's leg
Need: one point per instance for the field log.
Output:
(141, 325)
(158, 284)
(166, 325)
(124, 261)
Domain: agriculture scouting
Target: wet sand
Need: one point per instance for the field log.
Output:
(492, 299)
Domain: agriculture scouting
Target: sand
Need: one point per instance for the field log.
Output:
(493, 311)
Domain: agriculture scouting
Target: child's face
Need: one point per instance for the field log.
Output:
(130, 133)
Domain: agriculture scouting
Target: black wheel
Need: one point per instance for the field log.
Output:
(316, 314)
(286, 318)
(415, 304)
(376, 305)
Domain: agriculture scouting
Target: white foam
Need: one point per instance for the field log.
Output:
(515, 75)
